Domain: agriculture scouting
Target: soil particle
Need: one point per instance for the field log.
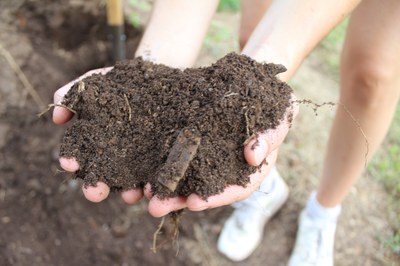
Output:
(128, 122)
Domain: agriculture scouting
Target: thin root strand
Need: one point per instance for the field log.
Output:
(53, 105)
(156, 233)
(316, 106)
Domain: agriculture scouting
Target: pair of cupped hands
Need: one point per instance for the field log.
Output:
(265, 153)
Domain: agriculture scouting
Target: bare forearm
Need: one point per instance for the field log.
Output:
(290, 29)
(176, 30)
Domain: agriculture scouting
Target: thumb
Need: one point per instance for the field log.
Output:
(256, 151)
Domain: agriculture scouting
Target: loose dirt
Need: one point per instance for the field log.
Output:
(45, 220)
(134, 122)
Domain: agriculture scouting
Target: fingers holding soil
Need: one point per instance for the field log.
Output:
(96, 193)
(235, 193)
(139, 109)
(101, 190)
(62, 115)
(159, 208)
(256, 151)
(132, 196)
(69, 164)
(261, 145)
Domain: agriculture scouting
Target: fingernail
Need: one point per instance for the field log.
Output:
(56, 111)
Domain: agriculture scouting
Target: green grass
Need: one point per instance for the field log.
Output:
(219, 38)
(138, 6)
(394, 243)
(385, 167)
(229, 5)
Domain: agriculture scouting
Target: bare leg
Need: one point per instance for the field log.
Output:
(370, 89)
(252, 11)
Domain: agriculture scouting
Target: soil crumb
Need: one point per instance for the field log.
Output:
(182, 131)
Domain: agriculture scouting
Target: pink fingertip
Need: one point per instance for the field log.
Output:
(96, 193)
(158, 208)
(69, 164)
(256, 151)
(61, 115)
(132, 196)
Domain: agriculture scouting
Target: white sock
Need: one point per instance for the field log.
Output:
(316, 211)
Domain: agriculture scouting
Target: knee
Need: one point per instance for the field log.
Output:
(369, 85)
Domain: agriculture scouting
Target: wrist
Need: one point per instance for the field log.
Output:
(175, 31)
(155, 53)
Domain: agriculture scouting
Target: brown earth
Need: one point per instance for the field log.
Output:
(129, 122)
(44, 218)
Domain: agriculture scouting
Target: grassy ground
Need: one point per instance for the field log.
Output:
(385, 167)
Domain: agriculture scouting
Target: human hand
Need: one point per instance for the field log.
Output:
(261, 150)
(61, 116)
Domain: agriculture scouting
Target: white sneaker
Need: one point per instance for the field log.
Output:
(243, 231)
(314, 242)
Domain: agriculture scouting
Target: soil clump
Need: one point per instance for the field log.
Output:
(130, 119)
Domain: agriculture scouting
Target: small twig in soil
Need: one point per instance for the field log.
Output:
(258, 111)
(182, 153)
(246, 116)
(129, 108)
(249, 139)
(156, 233)
(81, 86)
(53, 105)
(22, 77)
(229, 94)
(251, 121)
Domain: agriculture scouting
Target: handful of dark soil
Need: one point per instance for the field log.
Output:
(181, 131)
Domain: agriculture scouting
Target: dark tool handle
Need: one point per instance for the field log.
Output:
(115, 21)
